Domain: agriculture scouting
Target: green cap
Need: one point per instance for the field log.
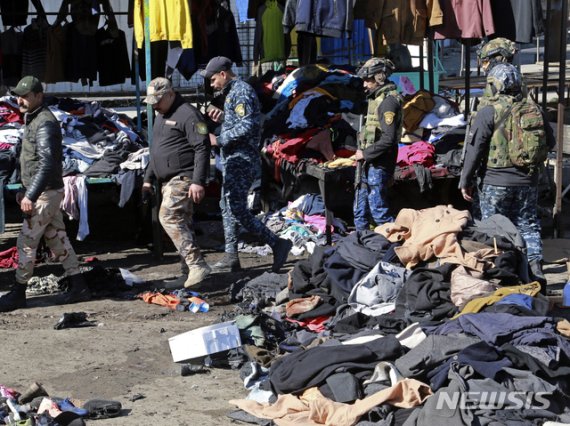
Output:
(26, 85)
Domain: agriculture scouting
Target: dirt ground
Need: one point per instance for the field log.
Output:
(127, 355)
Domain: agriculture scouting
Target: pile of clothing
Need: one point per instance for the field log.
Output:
(432, 319)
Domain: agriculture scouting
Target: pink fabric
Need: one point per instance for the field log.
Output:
(465, 19)
(417, 153)
(317, 222)
(69, 202)
(9, 258)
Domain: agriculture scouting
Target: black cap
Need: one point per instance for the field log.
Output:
(217, 64)
(26, 85)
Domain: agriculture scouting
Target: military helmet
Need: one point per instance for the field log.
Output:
(497, 47)
(375, 66)
(505, 78)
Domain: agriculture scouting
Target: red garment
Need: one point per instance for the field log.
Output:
(465, 19)
(9, 258)
(9, 114)
(314, 324)
(417, 153)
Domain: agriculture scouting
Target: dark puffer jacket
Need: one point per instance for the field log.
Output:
(40, 159)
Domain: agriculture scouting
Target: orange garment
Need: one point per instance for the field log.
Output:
(430, 233)
(289, 410)
(157, 298)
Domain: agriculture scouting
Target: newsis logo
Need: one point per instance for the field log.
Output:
(493, 400)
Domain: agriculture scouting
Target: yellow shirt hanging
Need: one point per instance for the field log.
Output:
(169, 20)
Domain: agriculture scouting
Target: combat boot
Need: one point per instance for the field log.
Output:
(280, 253)
(14, 298)
(78, 291)
(228, 263)
(197, 273)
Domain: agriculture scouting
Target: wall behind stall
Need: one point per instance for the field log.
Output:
(245, 33)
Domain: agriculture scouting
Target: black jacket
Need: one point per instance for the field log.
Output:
(181, 145)
(41, 156)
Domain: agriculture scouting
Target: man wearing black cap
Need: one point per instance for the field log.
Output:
(239, 144)
(179, 161)
(41, 171)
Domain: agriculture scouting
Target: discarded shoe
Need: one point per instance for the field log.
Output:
(34, 390)
(73, 320)
(102, 409)
(197, 273)
(228, 263)
(67, 405)
(14, 298)
(78, 292)
(280, 253)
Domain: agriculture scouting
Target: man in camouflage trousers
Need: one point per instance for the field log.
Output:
(179, 161)
(41, 170)
(378, 148)
(504, 188)
(239, 143)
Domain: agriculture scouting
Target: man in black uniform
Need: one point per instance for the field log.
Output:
(179, 161)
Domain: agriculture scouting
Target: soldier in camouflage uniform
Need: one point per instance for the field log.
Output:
(179, 161)
(41, 167)
(378, 148)
(497, 51)
(505, 189)
(500, 50)
(239, 143)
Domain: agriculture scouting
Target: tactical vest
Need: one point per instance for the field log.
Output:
(499, 145)
(372, 130)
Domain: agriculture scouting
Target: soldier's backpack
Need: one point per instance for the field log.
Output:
(526, 134)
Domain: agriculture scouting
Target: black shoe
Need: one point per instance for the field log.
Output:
(536, 274)
(78, 291)
(228, 263)
(280, 253)
(13, 299)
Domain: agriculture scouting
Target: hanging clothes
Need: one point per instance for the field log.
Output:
(465, 19)
(269, 44)
(55, 54)
(34, 48)
(112, 57)
(11, 42)
(14, 12)
(329, 18)
(169, 20)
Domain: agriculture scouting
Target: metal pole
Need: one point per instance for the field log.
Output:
(137, 84)
(560, 117)
(422, 65)
(430, 64)
(545, 57)
(156, 229)
(467, 76)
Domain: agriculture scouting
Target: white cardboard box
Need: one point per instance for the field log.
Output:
(204, 341)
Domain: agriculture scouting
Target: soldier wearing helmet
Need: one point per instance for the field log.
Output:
(504, 188)
(379, 139)
(497, 51)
